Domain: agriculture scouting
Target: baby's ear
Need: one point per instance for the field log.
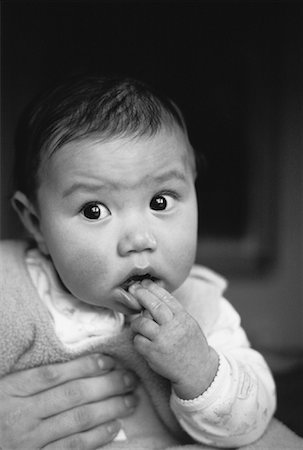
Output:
(30, 218)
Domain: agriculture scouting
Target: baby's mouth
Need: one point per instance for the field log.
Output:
(137, 279)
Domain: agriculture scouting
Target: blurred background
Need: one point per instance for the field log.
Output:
(235, 69)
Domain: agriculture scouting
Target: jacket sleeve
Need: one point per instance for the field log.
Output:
(239, 404)
(16, 328)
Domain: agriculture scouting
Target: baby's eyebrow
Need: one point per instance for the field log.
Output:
(169, 175)
(91, 186)
(82, 186)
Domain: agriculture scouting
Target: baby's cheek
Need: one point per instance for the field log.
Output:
(185, 247)
(180, 263)
(85, 274)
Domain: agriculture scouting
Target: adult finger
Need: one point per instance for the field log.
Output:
(86, 417)
(82, 391)
(90, 440)
(158, 309)
(32, 381)
(21, 424)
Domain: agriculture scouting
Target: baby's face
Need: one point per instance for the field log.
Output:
(113, 212)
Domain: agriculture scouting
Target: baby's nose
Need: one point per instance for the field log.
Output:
(137, 241)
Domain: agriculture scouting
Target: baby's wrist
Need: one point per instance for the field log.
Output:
(196, 384)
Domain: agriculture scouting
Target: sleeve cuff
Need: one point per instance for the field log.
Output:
(211, 394)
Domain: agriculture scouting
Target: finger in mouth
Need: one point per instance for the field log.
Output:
(137, 279)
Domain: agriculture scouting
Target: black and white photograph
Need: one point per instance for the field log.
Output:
(151, 233)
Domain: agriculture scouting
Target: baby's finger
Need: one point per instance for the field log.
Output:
(142, 344)
(159, 311)
(172, 303)
(147, 314)
(145, 327)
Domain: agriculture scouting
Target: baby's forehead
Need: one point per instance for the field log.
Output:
(166, 141)
(120, 152)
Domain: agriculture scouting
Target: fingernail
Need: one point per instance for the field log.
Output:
(130, 401)
(128, 380)
(146, 283)
(100, 362)
(113, 427)
(133, 287)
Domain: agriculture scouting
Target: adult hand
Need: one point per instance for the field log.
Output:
(70, 405)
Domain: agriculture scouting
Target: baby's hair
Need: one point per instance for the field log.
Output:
(104, 107)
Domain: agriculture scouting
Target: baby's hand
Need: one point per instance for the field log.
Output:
(172, 342)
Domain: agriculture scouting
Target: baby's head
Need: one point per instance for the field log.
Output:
(105, 185)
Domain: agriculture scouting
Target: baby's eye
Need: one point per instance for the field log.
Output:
(162, 202)
(95, 211)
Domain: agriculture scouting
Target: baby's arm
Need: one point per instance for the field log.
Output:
(238, 401)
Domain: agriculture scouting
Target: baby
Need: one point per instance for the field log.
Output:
(106, 189)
